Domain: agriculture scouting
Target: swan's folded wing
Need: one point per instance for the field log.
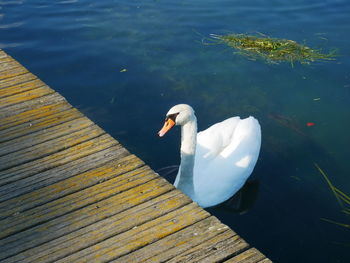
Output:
(213, 140)
(224, 173)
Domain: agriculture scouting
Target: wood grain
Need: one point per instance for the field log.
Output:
(21, 87)
(78, 219)
(15, 109)
(78, 158)
(27, 117)
(44, 149)
(41, 124)
(104, 229)
(17, 80)
(25, 96)
(250, 256)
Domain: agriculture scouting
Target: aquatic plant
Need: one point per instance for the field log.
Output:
(271, 50)
(342, 198)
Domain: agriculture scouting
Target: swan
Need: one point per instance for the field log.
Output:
(216, 162)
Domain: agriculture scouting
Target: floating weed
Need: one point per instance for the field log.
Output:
(272, 50)
(342, 198)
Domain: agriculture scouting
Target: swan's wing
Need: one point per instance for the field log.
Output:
(213, 140)
(226, 155)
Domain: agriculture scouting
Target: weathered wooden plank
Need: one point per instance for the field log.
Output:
(266, 260)
(177, 244)
(124, 175)
(141, 236)
(15, 109)
(24, 199)
(83, 217)
(102, 230)
(44, 135)
(21, 87)
(5, 74)
(36, 181)
(9, 65)
(251, 255)
(214, 250)
(32, 126)
(44, 149)
(75, 159)
(2, 54)
(27, 117)
(5, 59)
(15, 80)
(25, 96)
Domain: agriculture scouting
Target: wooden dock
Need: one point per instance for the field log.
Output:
(69, 192)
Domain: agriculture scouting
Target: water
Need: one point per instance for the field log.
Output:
(80, 47)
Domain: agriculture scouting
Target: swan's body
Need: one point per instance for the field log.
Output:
(216, 162)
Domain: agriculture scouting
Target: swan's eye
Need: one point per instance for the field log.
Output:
(172, 116)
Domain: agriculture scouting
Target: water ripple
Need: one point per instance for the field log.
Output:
(68, 2)
(12, 25)
(11, 2)
(9, 45)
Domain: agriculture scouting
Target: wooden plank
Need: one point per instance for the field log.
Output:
(22, 198)
(25, 96)
(45, 134)
(75, 159)
(2, 54)
(9, 65)
(15, 109)
(5, 59)
(44, 149)
(30, 184)
(141, 236)
(215, 250)
(15, 80)
(104, 229)
(5, 74)
(29, 116)
(174, 248)
(251, 255)
(25, 200)
(266, 260)
(32, 126)
(83, 217)
(21, 87)
(124, 175)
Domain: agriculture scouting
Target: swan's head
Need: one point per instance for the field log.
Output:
(178, 115)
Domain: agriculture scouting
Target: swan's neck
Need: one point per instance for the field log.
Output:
(188, 151)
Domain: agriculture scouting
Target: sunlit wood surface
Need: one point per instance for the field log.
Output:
(69, 192)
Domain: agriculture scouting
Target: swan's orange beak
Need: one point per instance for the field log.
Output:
(169, 123)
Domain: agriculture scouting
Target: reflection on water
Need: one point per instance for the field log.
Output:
(79, 48)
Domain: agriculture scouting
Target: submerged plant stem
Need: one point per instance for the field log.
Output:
(336, 223)
(331, 186)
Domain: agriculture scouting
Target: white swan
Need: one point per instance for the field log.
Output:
(216, 162)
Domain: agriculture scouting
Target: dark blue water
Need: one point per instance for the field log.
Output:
(79, 48)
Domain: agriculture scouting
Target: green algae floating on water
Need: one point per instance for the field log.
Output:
(272, 50)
